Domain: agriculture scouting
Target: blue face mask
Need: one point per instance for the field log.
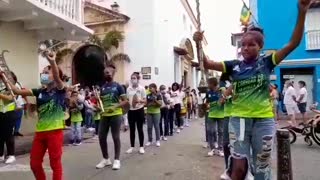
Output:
(44, 79)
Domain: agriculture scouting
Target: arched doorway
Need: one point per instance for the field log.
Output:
(88, 65)
(186, 68)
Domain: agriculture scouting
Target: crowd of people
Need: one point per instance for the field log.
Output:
(240, 110)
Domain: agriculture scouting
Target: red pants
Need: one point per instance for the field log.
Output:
(53, 141)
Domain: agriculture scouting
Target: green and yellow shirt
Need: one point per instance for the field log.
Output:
(51, 106)
(216, 108)
(251, 98)
(110, 97)
(153, 109)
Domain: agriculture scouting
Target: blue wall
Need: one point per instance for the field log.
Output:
(278, 19)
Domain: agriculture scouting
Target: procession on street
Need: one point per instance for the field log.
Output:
(240, 108)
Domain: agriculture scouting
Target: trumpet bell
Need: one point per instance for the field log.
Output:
(88, 65)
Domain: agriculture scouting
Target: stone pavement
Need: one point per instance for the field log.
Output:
(182, 157)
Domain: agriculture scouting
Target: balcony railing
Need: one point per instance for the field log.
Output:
(313, 40)
(69, 8)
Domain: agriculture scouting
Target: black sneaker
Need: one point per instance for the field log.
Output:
(77, 143)
(17, 134)
(72, 142)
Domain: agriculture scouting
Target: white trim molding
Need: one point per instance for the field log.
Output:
(310, 61)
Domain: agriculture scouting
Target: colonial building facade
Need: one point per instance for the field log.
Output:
(158, 39)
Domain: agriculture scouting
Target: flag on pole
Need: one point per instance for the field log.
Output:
(245, 15)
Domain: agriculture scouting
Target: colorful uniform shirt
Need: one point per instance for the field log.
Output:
(76, 115)
(184, 106)
(6, 106)
(51, 107)
(110, 97)
(251, 98)
(97, 116)
(216, 108)
(228, 100)
(153, 109)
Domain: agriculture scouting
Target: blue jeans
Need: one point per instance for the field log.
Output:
(206, 126)
(215, 132)
(226, 142)
(88, 120)
(153, 122)
(76, 132)
(19, 114)
(258, 134)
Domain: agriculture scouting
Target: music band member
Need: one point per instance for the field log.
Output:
(49, 129)
(113, 99)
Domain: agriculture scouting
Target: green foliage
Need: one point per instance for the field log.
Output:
(120, 57)
(111, 39)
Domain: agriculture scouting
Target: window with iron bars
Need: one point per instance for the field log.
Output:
(312, 29)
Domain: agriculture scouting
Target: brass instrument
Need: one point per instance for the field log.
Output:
(99, 99)
(6, 76)
(43, 47)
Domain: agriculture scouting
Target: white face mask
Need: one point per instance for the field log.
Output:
(134, 81)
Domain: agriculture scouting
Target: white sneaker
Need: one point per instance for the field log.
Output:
(181, 127)
(141, 150)
(225, 176)
(10, 160)
(220, 153)
(161, 137)
(215, 145)
(2, 158)
(103, 163)
(187, 125)
(211, 153)
(158, 143)
(206, 145)
(148, 144)
(130, 150)
(165, 138)
(249, 176)
(116, 165)
(178, 130)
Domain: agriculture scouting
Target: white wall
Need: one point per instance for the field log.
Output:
(170, 29)
(23, 47)
(155, 27)
(139, 37)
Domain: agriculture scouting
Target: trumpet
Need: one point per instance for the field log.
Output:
(98, 97)
(5, 72)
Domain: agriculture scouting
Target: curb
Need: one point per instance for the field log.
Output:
(25, 147)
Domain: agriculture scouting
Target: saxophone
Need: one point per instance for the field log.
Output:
(99, 99)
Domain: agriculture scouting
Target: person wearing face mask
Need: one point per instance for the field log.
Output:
(137, 98)
(113, 98)
(49, 129)
(164, 111)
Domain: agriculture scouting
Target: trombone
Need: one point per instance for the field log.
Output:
(98, 97)
(4, 77)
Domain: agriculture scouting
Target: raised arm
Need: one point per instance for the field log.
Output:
(51, 57)
(218, 66)
(297, 33)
